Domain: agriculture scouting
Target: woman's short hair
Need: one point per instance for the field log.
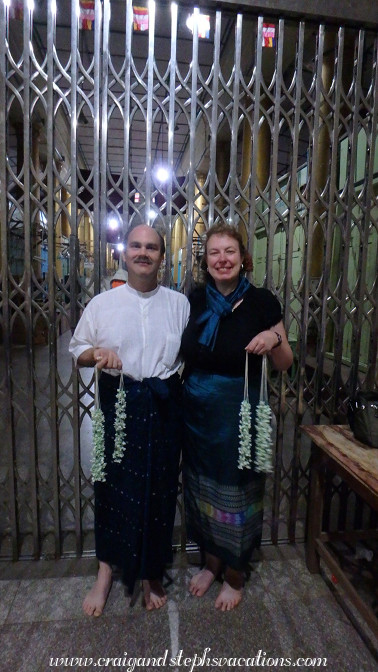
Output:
(223, 229)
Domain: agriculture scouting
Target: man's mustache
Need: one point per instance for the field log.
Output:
(145, 260)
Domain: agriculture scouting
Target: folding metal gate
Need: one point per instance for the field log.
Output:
(270, 124)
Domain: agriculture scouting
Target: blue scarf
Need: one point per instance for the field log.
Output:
(218, 306)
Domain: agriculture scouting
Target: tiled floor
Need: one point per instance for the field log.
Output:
(286, 613)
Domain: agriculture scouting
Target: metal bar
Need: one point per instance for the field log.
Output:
(329, 233)
(10, 445)
(192, 142)
(307, 289)
(331, 230)
(150, 91)
(126, 116)
(51, 280)
(214, 117)
(255, 132)
(171, 125)
(74, 274)
(348, 218)
(274, 155)
(104, 167)
(235, 117)
(363, 231)
(373, 344)
(269, 265)
(96, 148)
(293, 505)
(28, 279)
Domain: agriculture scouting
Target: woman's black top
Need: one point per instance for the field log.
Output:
(258, 311)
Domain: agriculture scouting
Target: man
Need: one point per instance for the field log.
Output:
(136, 329)
(119, 278)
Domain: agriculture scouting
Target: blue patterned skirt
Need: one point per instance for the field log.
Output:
(223, 504)
(135, 507)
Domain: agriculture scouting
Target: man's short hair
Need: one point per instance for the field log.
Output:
(155, 226)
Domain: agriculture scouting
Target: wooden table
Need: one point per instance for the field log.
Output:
(334, 448)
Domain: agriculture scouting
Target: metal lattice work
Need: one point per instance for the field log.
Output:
(281, 140)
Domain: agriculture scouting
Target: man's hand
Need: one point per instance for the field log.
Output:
(106, 359)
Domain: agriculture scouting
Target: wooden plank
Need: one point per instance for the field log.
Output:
(338, 442)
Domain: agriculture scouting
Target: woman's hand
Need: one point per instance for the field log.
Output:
(273, 342)
(106, 359)
(263, 343)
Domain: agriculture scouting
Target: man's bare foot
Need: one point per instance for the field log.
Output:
(154, 594)
(95, 600)
(228, 598)
(201, 582)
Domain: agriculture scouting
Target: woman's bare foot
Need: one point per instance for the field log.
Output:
(228, 598)
(201, 582)
(95, 600)
(154, 594)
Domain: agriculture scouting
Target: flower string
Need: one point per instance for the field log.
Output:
(263, 444)
(120, 424)
(244, 461)
(98, 425)
(98, 457)
(263, 425)
(245, 442)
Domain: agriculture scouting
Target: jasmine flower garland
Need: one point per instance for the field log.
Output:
(98, 424)
(263, 445)
(244, 461)
(120, 424)
(98, 458)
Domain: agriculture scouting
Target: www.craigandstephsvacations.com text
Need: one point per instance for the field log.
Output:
(190, 663)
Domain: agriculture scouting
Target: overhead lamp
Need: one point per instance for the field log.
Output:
(162, 174)
(113, 223)
(203, 24)
(120, 247)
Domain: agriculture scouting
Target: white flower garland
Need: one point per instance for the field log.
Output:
(263, 445)
(120, 425)
(98, 465)
(98, 457)
(244, 461)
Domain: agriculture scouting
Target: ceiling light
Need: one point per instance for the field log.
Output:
(162, 174)
(113, 223)
(203, 24)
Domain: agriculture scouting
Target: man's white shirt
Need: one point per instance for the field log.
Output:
(143, 328)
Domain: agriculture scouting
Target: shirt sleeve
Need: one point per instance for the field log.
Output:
(84, 336)
(273, 309)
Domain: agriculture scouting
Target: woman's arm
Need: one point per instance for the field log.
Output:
(273, 342)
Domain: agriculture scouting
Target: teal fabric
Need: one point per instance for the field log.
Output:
(218, 306)
(223, 504)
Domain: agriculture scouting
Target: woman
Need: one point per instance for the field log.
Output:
(223, 504)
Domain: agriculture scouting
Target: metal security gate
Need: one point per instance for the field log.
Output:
(267, 123)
